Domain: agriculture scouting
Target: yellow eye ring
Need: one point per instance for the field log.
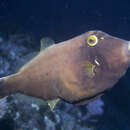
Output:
(92, 40)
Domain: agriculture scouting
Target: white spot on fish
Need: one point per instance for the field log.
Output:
(97, 63)
(129, 46)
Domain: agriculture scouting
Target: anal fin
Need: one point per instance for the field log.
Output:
(52, 103)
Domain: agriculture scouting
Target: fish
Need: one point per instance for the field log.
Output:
(77, 71)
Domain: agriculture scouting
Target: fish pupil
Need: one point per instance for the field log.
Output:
(91, 41)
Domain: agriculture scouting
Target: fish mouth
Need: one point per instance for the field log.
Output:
(85, 100)
(127, 52)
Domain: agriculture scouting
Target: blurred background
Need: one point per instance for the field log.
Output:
(23, 23)
(67, 18)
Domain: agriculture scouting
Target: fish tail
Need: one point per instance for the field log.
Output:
(8, 85)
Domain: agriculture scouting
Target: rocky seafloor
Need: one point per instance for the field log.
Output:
(20, 112)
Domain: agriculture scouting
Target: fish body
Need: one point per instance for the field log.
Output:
(77, 70)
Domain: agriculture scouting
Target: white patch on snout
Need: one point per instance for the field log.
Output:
(129, 46)
(126, 52)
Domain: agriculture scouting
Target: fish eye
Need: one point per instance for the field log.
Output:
(92, 40)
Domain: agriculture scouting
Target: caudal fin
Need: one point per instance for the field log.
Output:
(8, 85)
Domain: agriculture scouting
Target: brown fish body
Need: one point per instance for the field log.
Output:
(72, 70)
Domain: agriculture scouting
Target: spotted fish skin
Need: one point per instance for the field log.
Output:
(72, 70)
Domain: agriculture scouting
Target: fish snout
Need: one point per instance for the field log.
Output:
(127, 51)
(128, 47)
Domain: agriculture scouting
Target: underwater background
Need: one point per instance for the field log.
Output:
(23, 24)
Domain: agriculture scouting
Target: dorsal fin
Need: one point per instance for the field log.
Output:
(46, 42)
